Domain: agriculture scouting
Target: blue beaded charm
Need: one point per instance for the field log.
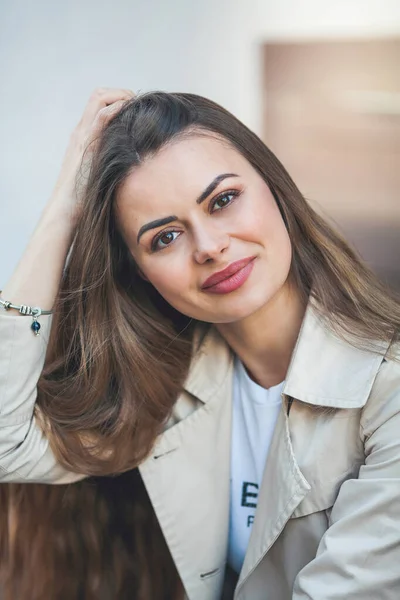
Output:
(35, 327)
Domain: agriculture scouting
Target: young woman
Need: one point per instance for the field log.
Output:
(211, 332)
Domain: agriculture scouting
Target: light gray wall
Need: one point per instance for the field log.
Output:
(52, 54)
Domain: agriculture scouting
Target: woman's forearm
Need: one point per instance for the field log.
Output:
(36, 278)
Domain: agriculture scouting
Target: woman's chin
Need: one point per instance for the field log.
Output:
(235, 314)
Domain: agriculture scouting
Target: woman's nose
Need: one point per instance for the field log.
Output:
(210, 244)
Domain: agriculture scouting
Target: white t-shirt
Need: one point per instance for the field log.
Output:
(255, 411)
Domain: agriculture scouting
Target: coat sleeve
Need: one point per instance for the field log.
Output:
(25, 454)
(358, 557)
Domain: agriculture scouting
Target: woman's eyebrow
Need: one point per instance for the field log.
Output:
(154, 224)
(209, 189)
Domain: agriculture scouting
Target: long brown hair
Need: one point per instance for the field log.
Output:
(118, 354)
(97, 539)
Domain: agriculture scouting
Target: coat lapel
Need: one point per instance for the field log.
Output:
(282, 489)
(187, 475)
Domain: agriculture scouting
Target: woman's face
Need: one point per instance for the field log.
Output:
(195, 209)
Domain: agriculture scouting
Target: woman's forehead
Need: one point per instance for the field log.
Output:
(183, 167)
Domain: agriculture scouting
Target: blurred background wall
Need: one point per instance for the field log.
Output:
(53, 54)
(332, 114)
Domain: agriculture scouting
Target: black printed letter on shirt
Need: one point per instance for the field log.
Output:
(246, 494)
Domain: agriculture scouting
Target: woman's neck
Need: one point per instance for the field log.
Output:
(265, 340)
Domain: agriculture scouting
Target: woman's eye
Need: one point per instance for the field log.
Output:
(164, 239)
(223, 201)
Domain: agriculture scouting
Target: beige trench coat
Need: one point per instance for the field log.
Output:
(327, 526)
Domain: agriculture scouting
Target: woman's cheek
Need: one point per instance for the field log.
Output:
(169, 275)
(251, 215)
(246, 226)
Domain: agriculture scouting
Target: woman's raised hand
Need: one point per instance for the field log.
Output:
(36, 278)
(103, 104)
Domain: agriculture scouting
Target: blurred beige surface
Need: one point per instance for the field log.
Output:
(332, 115)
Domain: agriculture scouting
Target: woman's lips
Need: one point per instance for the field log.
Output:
(230, 278)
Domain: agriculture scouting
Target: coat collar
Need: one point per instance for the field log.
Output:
(325, 370)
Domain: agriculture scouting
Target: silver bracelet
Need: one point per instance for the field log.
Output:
(29, 311)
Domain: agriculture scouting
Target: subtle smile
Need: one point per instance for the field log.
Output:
(231, 278)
